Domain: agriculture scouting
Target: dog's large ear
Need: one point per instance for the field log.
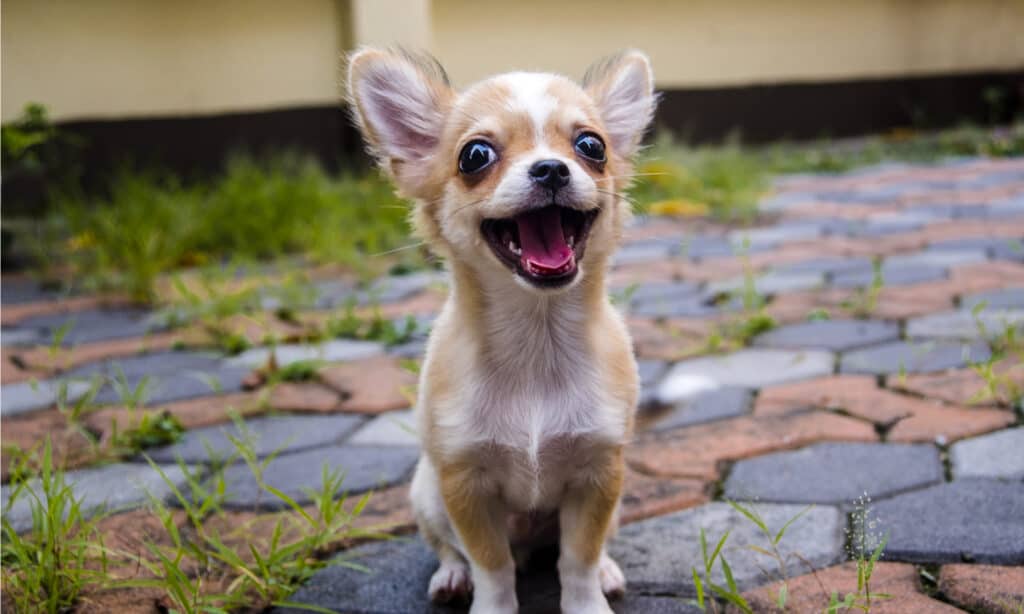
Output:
(623, 88)
(400, 100)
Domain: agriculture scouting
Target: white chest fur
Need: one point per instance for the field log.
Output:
(531, 402)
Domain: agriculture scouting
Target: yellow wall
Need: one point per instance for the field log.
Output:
(697, 43)
(99, 58)
(118, 58)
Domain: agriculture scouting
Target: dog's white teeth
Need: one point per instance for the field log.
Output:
(572, 240)
(512, 247)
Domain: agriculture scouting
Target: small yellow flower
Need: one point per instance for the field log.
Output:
(679, 208)
(81, 241)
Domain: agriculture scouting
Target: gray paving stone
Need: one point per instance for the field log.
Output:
(394, 428)
(939, 258)
(22, 397)
(976, 520)
(662, 292)
(773, 282)
(696, 306)
(836, 473)
(892, 275)
(749, 368)
(655, 554)
(332, 293)
(398, 572)
(707, 406)
(643, 251)
(398, 287)
(651, 372)
(996, 455)
(827, 266)
(1005, 298)
(92, 325)
(912, 357)
(1005, 210)
(335, 350)
(835, 335)
(781, 202)
(268, 435)
(169, 376)
(702, 247)
(881, 228)
(988, 323)
(364, 468)
(415, 348)
(1012, 250)
(20, 290)
(771, 236)
(11, 337)
(118, 487)
(965, 243)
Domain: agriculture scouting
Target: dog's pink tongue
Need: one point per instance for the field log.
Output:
(545, 251)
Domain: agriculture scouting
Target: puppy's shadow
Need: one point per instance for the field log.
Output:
(398, 571)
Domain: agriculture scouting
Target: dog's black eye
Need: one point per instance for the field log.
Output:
(476, 156)
(590, 146)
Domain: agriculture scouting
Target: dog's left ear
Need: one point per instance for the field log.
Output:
(623, 88)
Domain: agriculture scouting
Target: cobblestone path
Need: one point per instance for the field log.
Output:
(886, 375)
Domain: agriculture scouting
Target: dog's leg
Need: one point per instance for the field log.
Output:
(480, 520)
(585, 517)
(451, 581)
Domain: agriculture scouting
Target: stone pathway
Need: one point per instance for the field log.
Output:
(860, 389)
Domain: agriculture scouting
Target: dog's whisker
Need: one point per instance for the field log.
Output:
(459, 209)
(399, 249)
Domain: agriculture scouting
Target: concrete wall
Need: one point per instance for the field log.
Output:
(129, 58)
(715, 43)
(94, 59)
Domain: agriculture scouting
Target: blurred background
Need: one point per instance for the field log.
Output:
(125, 116)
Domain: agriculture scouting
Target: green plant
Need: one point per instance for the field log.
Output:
(147, 430)
(865, 300)
(724, 180)
(1006, 351)
(865, 547)
(252, 570)
(150, 223)
(730, 592)
(298, 371)
(74, 410)
(46, 567)
(349, 324)
(752, 320)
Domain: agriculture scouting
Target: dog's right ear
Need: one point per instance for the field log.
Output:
(399, 100)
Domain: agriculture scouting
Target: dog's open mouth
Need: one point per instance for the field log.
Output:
(544, 245)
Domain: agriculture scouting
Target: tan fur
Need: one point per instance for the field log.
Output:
(526, 396)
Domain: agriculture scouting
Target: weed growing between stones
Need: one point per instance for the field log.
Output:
(203, 560)
(864, 301)
(1006, 351)
(46, 567)
(349, 324)
(254, 565)
(865, 545)
(737, 332)
(730, 592)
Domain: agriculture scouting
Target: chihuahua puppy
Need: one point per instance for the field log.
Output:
(528, 389)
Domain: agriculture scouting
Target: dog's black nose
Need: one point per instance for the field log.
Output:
(552, 174)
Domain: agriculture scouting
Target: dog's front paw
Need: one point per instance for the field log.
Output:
(451, 582)
(613, 581)
(596, 605)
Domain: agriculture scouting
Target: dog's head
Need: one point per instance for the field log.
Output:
(520, 174)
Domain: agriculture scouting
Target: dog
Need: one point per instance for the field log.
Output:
(528, 387)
